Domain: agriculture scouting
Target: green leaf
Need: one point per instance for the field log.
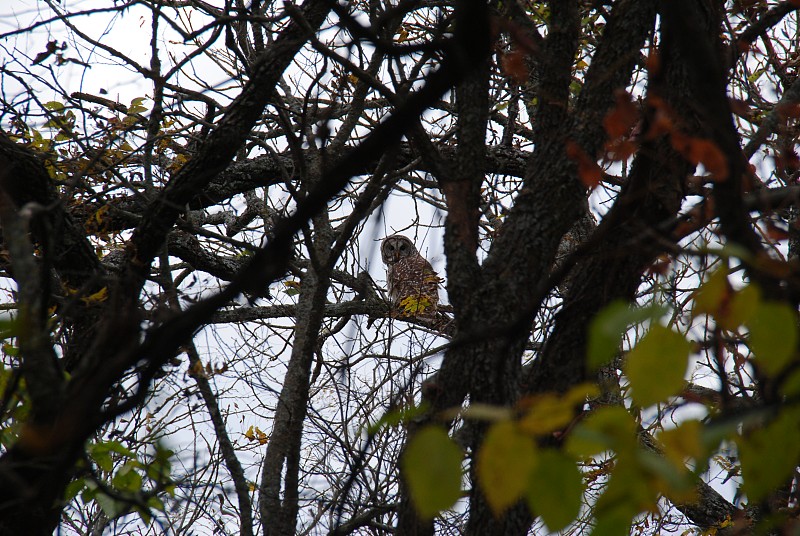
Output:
(145, 514)
(156, 503)
(396, 416)
(555, 491)
(756, 74)
(431, 465)
(137, 106)
(789, 387)
(765, 467)
(626, 495)
(675, 482)
(102, 458)
(89, 492)
(504, 465)
(744, 305)
(73, 488)
(773, 336)
(101, 453)
(610, 324)
(608, 428)
(127, 479)
(9, 327)
(111, 507)
(54, 106)
(657, 364)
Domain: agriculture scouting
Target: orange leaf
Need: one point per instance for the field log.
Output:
(707, 153)
(588, 170)
(621, 119)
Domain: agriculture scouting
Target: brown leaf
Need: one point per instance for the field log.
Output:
(788, 161)
(653, 62)
(702, 151)
(660, 266)
(776, 233)
(589, 172)
(620, 149)
(790, 109)
(513, 64)
(661, 122)
(740, 108)
(50, 49)
(743, 45)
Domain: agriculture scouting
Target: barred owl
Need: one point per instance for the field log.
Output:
(413, 285)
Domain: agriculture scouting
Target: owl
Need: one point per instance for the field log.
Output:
(413, 285)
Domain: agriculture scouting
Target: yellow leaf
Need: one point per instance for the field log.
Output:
(683, 442)
(261, 436)
(415, 305)
(773, 336)
(656, 365)
(505, 462)
(713, 294)
(551, 412)
(547, 413)
(100, 213)
(99, 296)
(197, 370)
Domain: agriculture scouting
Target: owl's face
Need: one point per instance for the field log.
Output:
(396, 247)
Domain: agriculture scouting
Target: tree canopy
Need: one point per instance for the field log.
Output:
(196, 330)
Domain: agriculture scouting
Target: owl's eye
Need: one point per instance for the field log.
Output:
(402, 247)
